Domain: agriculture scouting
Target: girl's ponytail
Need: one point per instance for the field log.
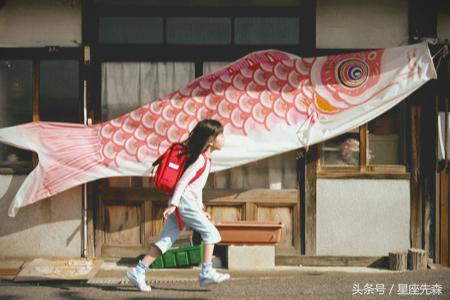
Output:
(203, 133)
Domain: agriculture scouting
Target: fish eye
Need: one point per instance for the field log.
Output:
(352, 73)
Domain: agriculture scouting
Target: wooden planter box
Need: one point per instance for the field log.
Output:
(249, 232)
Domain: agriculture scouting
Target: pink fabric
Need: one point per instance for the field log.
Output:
(269, 102)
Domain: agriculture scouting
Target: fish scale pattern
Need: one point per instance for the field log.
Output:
(257, 92)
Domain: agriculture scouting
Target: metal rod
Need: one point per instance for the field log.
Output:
(84, 188)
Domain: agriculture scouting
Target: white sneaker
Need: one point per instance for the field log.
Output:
(212, 277)
(138, 280)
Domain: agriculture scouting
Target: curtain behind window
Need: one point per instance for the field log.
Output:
(127, 86)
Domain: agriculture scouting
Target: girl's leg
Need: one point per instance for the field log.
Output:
(197, 220)
(208, 250)
(169, 235)
(152, 255)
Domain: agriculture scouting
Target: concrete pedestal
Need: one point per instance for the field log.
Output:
(251, 257)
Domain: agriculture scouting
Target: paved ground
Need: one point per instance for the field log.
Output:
(313, 284)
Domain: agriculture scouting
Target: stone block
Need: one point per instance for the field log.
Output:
(251, 257)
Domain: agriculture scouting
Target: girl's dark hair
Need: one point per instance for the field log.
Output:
(203, 133)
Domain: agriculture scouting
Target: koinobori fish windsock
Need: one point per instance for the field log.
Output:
(270, 102)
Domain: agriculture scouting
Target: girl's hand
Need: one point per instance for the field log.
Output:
(168, 211)
(207, 215)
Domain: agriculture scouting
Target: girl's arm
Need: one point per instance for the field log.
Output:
(187, 176)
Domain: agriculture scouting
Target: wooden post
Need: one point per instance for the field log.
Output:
(444, 223)
(397, 261)
(312, 158)
(415, 169)
(363, 147)
(417, 259)
(428, 167)
(36, 90)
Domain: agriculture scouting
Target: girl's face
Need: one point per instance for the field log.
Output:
(218, 142)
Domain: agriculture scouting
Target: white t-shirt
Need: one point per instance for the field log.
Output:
(193, 191)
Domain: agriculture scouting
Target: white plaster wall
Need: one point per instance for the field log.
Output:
(361, 23)
(362, 217)
(39, 23)
(50, 227)
(443, 22)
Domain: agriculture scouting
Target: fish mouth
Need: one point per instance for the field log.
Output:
(323, 105)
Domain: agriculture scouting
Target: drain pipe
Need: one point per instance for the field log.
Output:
(84, 187)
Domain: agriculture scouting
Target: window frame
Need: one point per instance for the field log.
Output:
(36, 55)
(187, 52)
(364, 169)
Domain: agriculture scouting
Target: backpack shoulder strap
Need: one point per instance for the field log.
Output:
(157, 161)
(160, 158)
(202, 169)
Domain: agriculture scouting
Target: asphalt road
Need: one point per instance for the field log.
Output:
(310, 285)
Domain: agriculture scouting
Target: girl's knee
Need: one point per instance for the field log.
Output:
(163, 245)
(212, 236)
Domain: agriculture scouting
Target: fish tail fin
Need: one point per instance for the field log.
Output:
(69, 155)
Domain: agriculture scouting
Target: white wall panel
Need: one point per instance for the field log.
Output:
(362, 217)
(27, 23)
(361, 23)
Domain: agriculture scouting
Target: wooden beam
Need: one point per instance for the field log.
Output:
(363, 145)
(308, 27)
(252, 195)
(312, 159)
(99, 229)
(147, 218)
(429, 165)
(196, 9)
(250, 211)
(91, 212)
(40, 53)
(180, 53)
(415, 170)
(372, 175)
(296, 229)
(299, 241)
(444, 223)
(422, 22)
(313, 260)
(85, 75)
(210, 197)
(36, 89)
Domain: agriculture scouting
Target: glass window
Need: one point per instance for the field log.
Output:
(15, 105)
(385, 142)
(199, 30)
(131, 30)
(59, 91)
(385, 138)
(270, 30)
(342, 150)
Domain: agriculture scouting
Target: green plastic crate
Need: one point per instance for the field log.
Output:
(179, 257)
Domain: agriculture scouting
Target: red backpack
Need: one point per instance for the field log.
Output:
(170, 169)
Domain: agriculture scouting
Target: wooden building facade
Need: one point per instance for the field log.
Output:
(378, 188)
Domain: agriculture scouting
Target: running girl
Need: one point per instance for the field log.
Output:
(206, 137)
